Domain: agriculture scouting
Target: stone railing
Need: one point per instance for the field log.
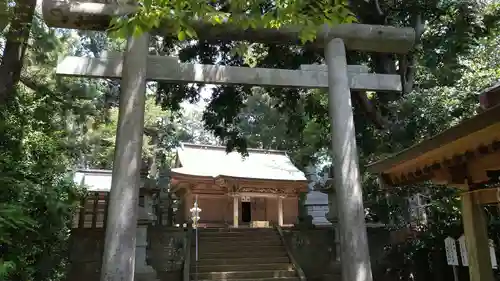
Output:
(291, 256)
(187, 253)
(318, 243)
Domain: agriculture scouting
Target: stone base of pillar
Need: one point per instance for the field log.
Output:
(332, 215)
(236, 209)
(305, 222)
(280, 211)
(142, 269)
(145, 276)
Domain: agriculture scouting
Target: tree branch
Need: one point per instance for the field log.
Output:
(375, 116)
(407, 67)
(29, 83)
(40, 88)
(15, 48)
(377, 6)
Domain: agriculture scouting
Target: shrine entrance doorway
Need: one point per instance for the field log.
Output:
(246, 212)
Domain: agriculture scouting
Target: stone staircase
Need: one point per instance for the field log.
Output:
(241, 255)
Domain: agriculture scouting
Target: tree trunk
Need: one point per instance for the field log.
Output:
(17, 41)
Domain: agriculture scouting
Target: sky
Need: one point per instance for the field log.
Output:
(201, 104)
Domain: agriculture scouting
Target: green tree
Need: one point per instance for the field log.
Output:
(456, 57)
(426, 112)
(47, 123)
(461, 24)
(17, 35)
(100, 137)
(192, 126)
(181, 16)
(38, 194)
(178, 15)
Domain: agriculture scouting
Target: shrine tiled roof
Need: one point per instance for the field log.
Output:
(97, 180)
(213, 161)
(94, 180)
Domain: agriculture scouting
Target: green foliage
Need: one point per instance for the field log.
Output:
(38, 194)
(427, 111)
(12, 217)
(179, 16)
(53, 123)
(456, 58)
(101, 137)
(50, 126)
(228, 101)
(5, 13)
(191, 128)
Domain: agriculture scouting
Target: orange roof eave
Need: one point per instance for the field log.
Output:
(175, 176)
(302, 183)
(180, 177)
(260, 179)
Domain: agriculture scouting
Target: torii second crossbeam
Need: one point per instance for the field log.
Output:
(167, 69)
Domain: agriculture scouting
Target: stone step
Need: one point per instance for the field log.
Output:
(323, 277)
(151, 276)
(232, 243)
(239, 237)
(241, 248)
(254, 274)
(241, 267)
(242, 261)
(253, 279)
(237, 231)
(241, 254)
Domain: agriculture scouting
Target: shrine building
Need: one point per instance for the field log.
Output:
(467, 157)
(259, 190)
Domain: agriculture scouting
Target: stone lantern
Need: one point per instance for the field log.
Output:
(146, 218)
(328, 187)
(195, 214)
(195, 218)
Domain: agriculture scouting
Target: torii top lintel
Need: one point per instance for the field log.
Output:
(92, 15)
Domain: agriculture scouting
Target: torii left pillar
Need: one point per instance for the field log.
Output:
(118, 262)
(354, 255)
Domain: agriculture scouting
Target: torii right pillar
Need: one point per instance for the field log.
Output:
(354, 254)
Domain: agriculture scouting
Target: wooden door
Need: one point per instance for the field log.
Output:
(258, 209)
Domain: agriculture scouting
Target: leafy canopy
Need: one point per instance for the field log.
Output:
(179, 15)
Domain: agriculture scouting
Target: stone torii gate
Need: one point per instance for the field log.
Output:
(134, 67)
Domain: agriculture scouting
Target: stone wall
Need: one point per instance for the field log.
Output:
(85, 254)
(378, 238)
(314, 250)
(165, 253)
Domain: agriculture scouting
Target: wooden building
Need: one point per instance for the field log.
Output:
(93, 209)
(466, 156)
(258, 190)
